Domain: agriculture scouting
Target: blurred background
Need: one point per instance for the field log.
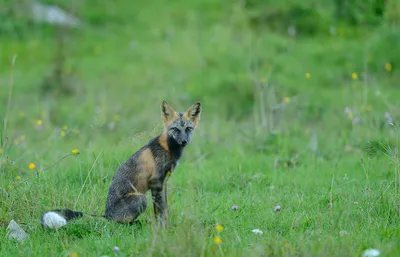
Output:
(86, 72)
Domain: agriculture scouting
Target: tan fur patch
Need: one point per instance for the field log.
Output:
(193, 113)
(168, 114)
(147, 166)
(186, 117)
(163, 141)
(135, 193)
(169, 121)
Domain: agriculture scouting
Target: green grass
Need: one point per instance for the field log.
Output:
(337, 198)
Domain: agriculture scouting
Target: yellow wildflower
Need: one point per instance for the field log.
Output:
(286, 99)
(73, 255)
(65, 127)
(350, 115)
(116, 117)
(39, 122)
(354, 75)
(308, 75)
(263, 80)
(219, 228)
(285, 165)
(1, 151)
(75, 131)
(21, 114)
(75, 151)
(388, 67)
(62, 133)
(217, 240)
(32, 166)
(18, 177)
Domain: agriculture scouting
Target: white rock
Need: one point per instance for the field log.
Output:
(16, 232)
(257, 231)
(52, 14)
(371, 253)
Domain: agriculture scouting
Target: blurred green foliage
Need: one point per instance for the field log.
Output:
(310, 17)
(315, 17)
(13, 21)
(231, 73)
(360, 12)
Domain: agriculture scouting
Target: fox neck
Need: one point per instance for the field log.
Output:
(174, 148)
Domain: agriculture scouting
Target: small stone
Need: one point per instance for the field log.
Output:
(116, 249)
(16, 232)
(235, 208)
(371, 253)
(257, 231)
(277, 208)
(52, 14)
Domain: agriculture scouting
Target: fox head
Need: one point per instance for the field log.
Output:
(179, 126)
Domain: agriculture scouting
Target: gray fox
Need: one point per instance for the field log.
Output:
(148, 168)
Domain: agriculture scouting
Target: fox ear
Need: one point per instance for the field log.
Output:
(167, 113)
(193, 113)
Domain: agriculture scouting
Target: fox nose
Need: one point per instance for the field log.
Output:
(184, 142)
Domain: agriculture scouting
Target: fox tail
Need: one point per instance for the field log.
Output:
(58, 218)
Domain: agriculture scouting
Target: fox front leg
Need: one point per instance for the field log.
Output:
(160, 204)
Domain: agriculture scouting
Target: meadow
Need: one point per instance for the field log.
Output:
(307, 122)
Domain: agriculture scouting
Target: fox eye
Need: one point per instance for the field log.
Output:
(176, 130)
(188, 129)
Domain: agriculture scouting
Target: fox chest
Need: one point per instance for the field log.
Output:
(151, 176)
